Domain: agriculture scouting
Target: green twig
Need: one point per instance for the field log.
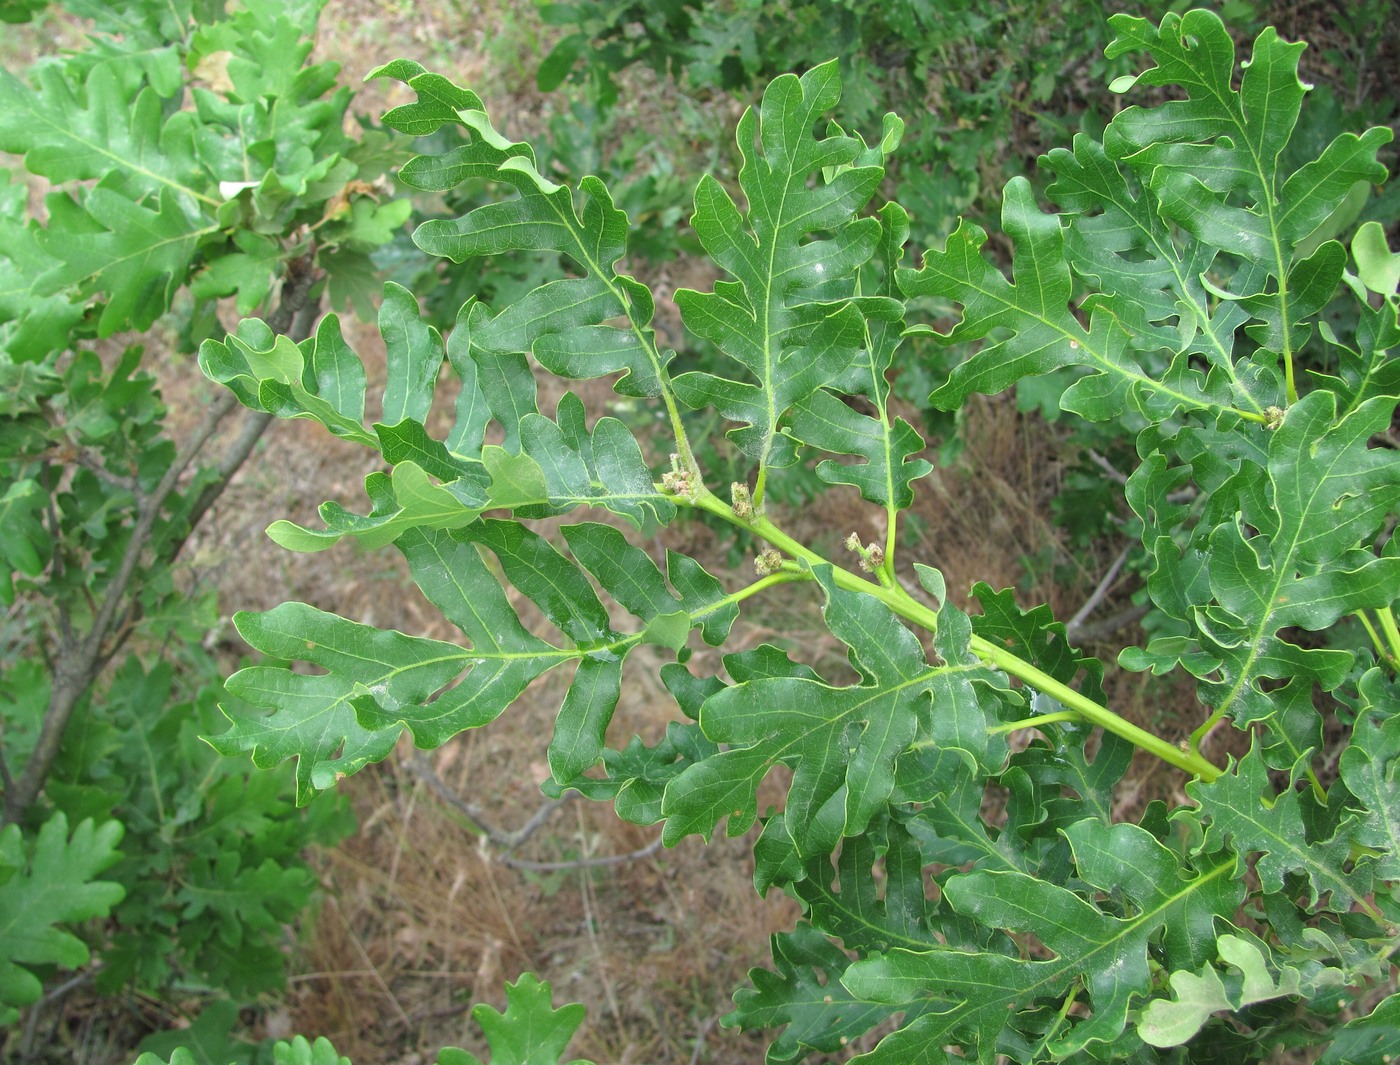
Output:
(907, 607)
(1392, 635)
(1376, 640)
(1385, 645)
(1199, 733)
(1036, 722)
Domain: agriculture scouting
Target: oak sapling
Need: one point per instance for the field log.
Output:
(1058, 933)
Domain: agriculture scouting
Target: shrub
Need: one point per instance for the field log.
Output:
(1229, 925)
(183, 162)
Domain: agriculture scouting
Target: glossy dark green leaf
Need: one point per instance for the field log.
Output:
(976, 994)
(1245, 812)
(784, 317)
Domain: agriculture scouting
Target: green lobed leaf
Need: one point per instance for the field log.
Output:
(1117, 240)
(887, 444)
(846, 902)
(841, 742)
(208, 1040)
(1244, 811)
(1374, 1037)
(313, 717)
(1294, 553)
(544, 466)
(247, 274)
(1376, 265)
(320, 379)
(1171, 1022)
(952, 832)
(786, 318)
(302, 1051)
(975, 994)
(438, 103)
(377, 683)
(244, 900)
(1221, 140)
(381, 681)
(135, 254)
(531, 1031)
(132, 237)
(576, 467)
(563, 593)
(45, 885)
(69, 130)
(1370, 766)
(1041, 331)
(404, 500)
(1367, 370)
(31, 326)
(563, 323)
(635, 777)
(414, 356)
(804, 998)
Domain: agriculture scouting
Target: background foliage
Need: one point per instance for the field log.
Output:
(188, 154)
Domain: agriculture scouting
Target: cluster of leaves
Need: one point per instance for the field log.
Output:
(966, 74)
(530, 1032)
(979, 81)
(220, 196)
(47, 882)
(196, 863)
(190, 155)
(986, 87)
(958, 890)
(211, 852)
(1343, 98)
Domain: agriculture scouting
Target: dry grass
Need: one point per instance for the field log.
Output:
(422, 921)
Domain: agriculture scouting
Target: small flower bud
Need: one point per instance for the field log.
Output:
(767, 562)
(741, 501)
(676, 479)
(1275, 416)
(872, 556)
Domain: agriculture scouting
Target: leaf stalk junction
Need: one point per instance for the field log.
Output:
(894, 596)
